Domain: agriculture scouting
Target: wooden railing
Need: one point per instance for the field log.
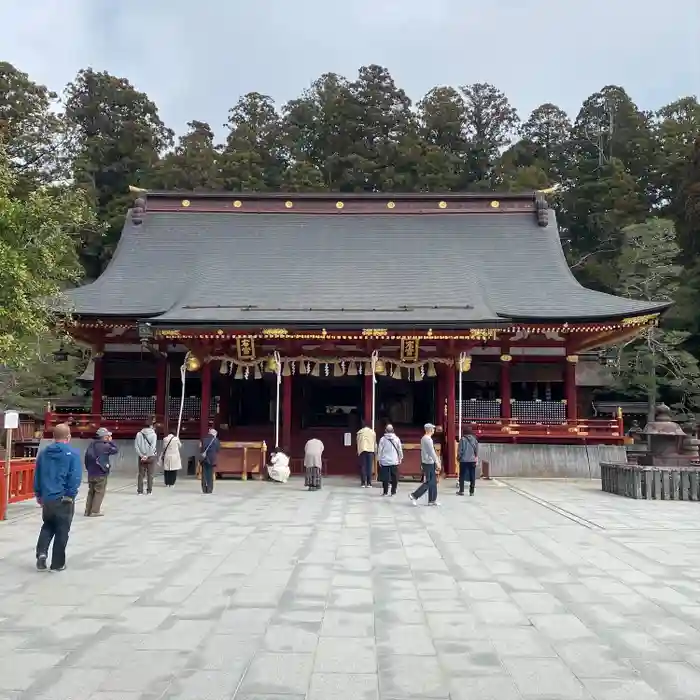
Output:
(583, 430)
(84, 425)
(21, 484)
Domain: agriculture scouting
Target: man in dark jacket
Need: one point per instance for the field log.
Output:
(210, 451)
(57, 477)
(467, 456)
(97, 465)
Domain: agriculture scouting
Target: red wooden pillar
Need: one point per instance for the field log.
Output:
(440, 397)
(97, 385)
(286, 432)
(450, 424)
(206, 399)
(161, 389)
(570, 387)
(367, 417)
(506, 389)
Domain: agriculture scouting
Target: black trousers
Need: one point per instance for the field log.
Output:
(429, 485)
(467, 470)
(207, 477)
(170, 476)
(57, 517)
(366, 459)
(390, 474)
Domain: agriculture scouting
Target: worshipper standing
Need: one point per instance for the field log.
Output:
(97, 466)
(57, 476)
(366, 440)
(210, 446)
(278, 469)
(467, 456)
(313, 453)
(170, 459)
(389, 456)
(430, 466)
(146, 446)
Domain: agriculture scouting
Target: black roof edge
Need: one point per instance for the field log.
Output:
(169, 194)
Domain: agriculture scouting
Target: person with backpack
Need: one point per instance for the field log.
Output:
(210, 446)
(146, 446)
(389, 456)
(467, 456)
(97, 466)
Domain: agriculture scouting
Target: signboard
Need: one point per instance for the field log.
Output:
(11, 420)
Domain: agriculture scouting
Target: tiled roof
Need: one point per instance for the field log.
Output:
(395, 269)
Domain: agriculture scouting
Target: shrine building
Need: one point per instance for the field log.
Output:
(297, 315)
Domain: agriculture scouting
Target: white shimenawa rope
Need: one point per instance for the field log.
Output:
(462, 357)
(375, 357)
(183, 372)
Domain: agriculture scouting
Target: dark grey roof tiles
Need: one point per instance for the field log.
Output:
(356, 269)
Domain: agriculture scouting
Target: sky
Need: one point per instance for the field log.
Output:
(195, 59)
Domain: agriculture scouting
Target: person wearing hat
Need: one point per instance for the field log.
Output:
(97, 465)
(430, 465)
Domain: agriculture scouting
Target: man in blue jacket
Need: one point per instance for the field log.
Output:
(57, 477)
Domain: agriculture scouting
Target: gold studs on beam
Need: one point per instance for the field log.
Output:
(339, 205)
(390, 205)
(443, 205)
(495, 204)
(238, 204)
(185, 202)
(288, 204)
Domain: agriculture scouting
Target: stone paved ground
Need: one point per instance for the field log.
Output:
(261, 591)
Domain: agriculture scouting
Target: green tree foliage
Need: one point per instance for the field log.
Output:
(118, 139)
(38, 257)
(193, 165)
(648, 269)
(254, 156)
(31, 131)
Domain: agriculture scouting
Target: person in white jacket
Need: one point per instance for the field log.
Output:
(170, 459)
(278, 469)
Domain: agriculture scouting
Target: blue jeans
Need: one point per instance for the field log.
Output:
(366, 460)
(467, 471)
(429, 485)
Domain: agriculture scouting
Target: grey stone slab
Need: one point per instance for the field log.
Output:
(346, 655)
(615, 689)
(412, 640)
(543, 678)
(591, 659)
(278, 674)
(412, 677)
(483, 590)
(22, 668)
(467, 659)
(343, 686)
(499, 613)
(183, 635)
(342, 623)
(496, 687)
(521, 641)
(287, 638)
(670, 679)
(561, 626)
(456, 626)
(209, 684)
(243, 621)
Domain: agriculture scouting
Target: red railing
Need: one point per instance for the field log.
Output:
(21, 484)
(583, 430)
(84, 425)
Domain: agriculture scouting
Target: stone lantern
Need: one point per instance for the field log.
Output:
(666, 441)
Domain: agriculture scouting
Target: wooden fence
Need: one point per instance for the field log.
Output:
(651, 483)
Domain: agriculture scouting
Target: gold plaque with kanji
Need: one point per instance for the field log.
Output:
(245, 348)
(409, 350)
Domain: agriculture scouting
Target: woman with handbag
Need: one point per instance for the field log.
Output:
(170, 459)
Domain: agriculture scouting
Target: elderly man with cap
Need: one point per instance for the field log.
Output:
(430, 464)
(210, 450)
(97, 465)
